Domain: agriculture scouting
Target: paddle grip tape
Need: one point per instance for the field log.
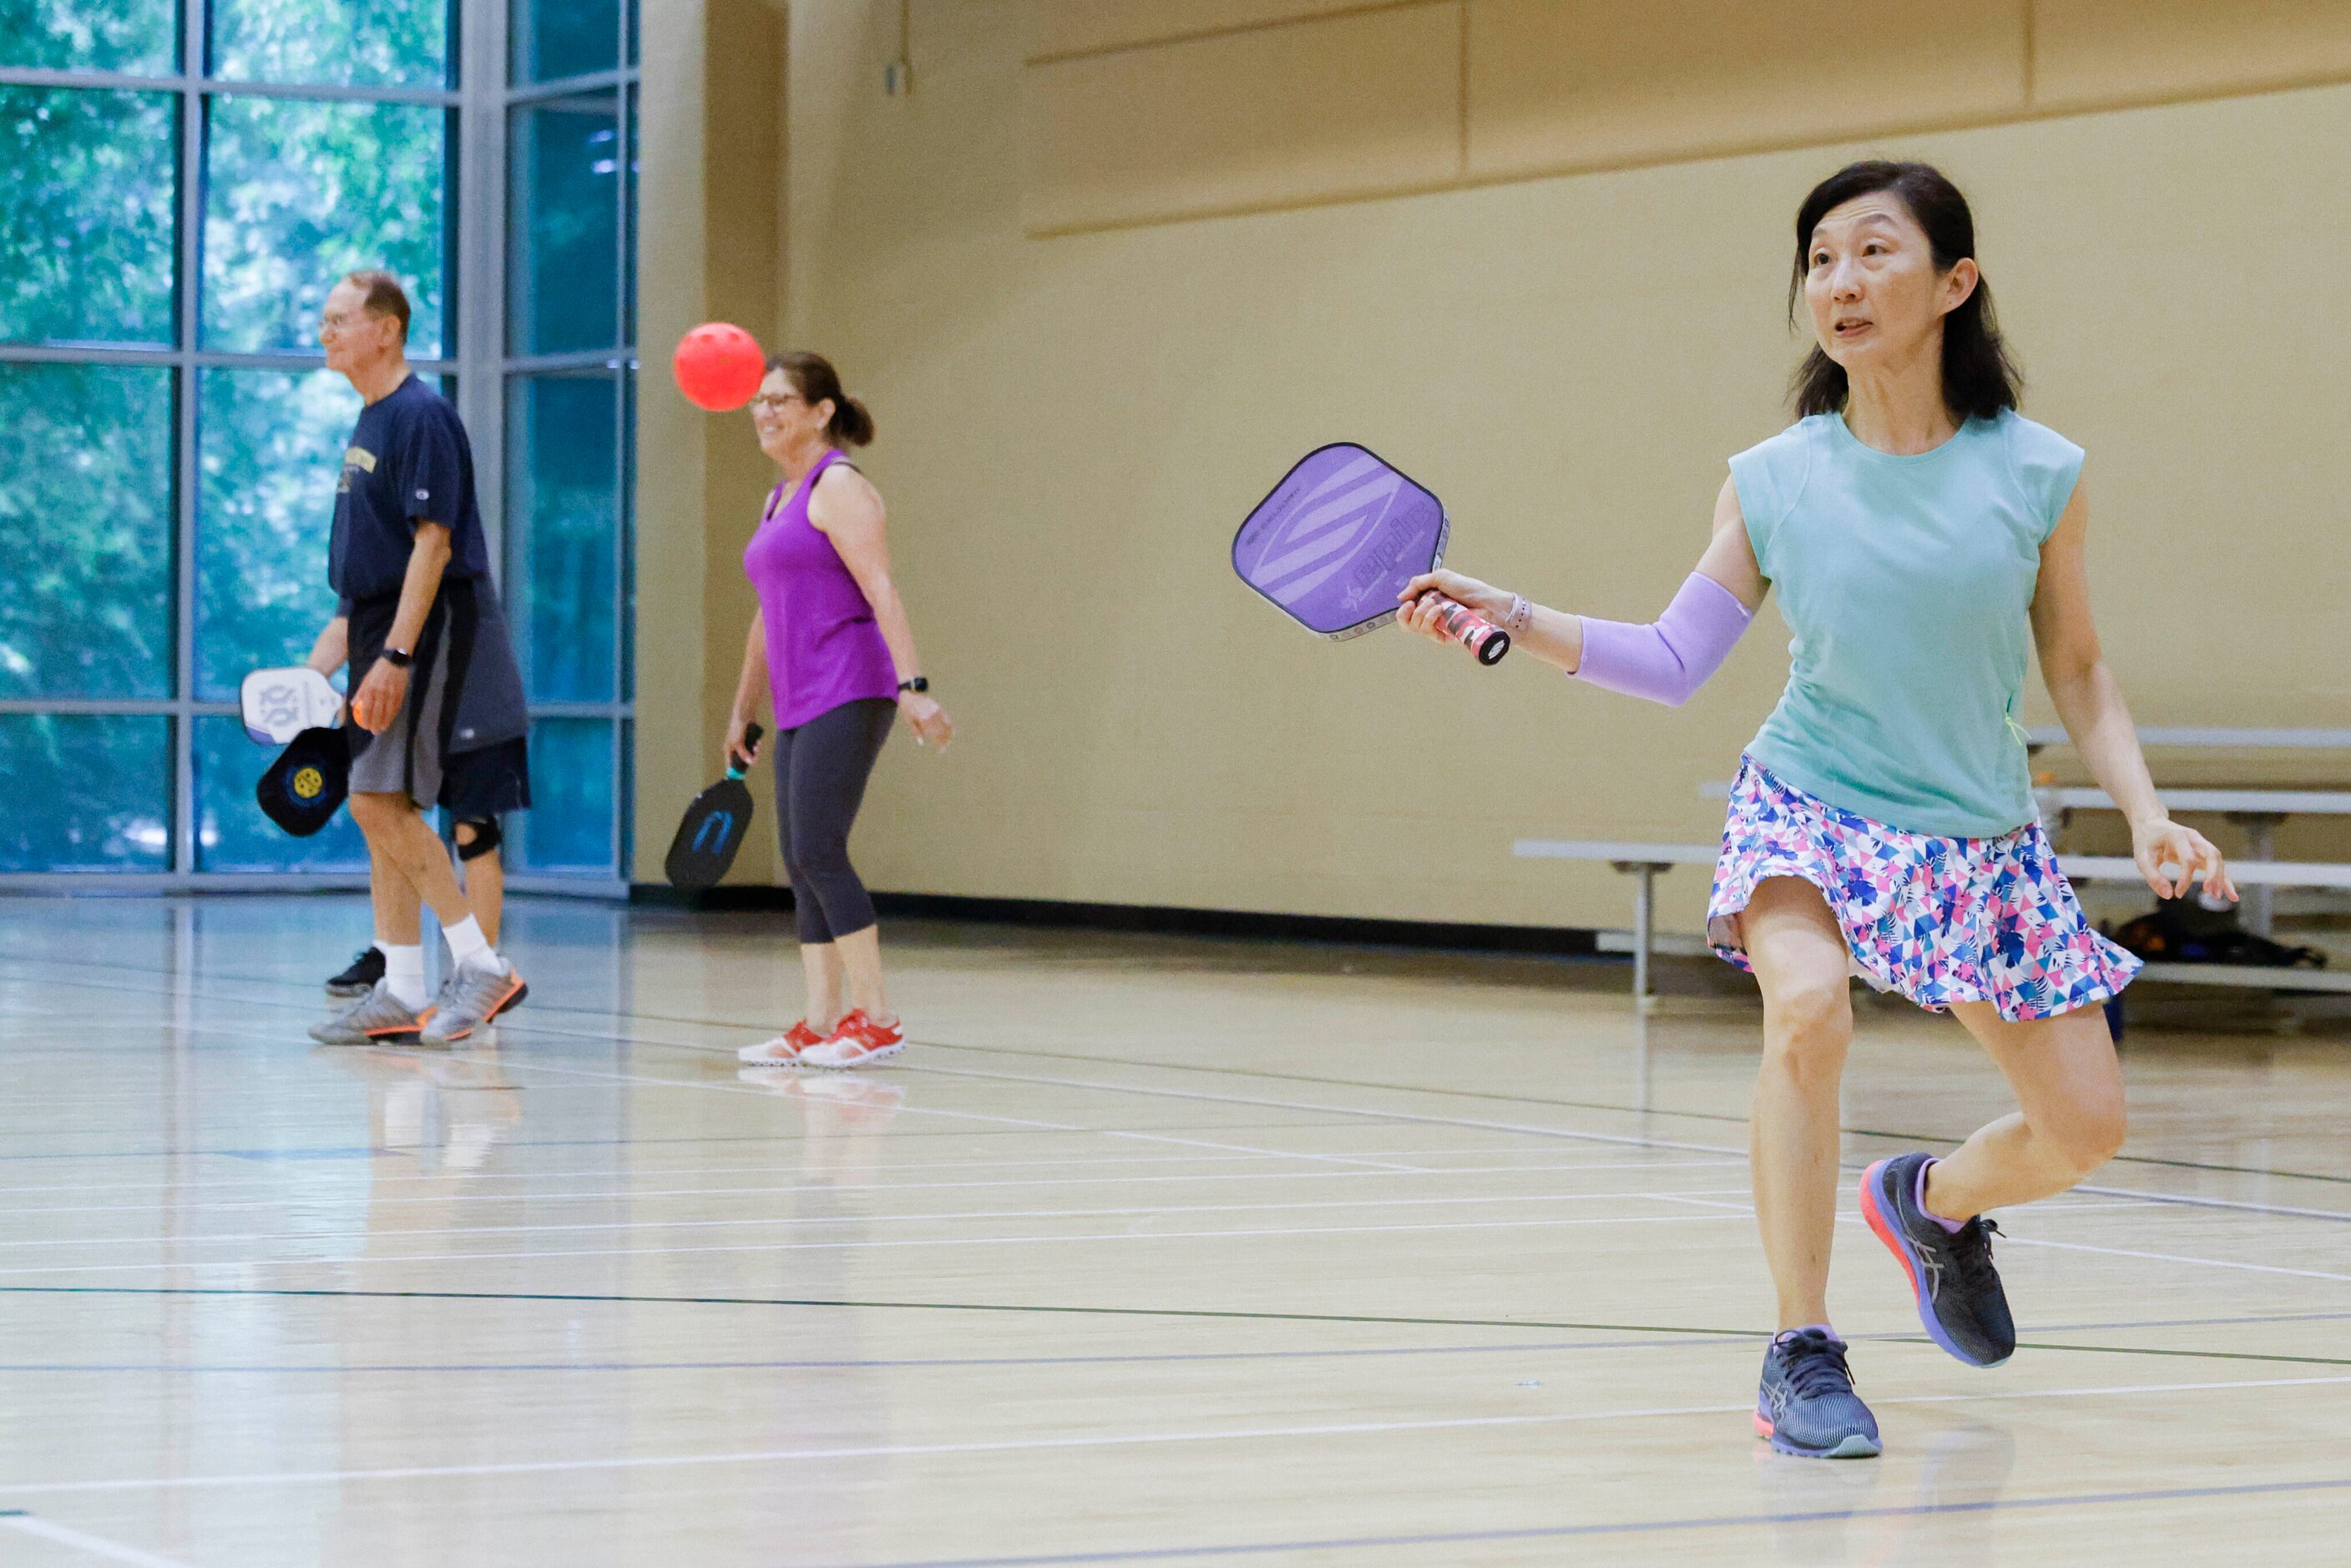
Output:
(1473, 632)
(738, 765)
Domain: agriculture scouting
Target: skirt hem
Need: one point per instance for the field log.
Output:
(1936, 921)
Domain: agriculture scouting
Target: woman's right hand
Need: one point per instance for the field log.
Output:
(1420, 611)
(738, 749)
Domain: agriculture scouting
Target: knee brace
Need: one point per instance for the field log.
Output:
(487, 837)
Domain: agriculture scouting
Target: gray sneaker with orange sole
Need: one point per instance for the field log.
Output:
(470, 998)
(377, 1015)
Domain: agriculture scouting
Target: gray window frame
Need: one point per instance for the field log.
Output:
(621, 363)
(473, 353)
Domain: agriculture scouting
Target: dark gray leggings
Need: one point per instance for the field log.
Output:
(821, 773)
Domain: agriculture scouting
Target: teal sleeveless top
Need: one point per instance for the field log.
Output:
(1906, 581)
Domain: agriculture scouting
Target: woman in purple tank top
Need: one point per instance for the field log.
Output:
(832, 649)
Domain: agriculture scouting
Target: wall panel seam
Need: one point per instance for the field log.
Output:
(1462, 86)
(2031, 48)
(1571, 168)
(1234, 30)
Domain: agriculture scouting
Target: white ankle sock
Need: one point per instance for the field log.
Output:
(404, 975)
(468, 946)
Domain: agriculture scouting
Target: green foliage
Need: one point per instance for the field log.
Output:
(351, 43)
(303, 192)
(556, 39)
(135, 37)
(564, 279)
(86, 792)
(563, 491)
(269, 455)
(86, 201)
(86, 528)
(570, 827)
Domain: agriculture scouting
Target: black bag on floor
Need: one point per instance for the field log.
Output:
(2182, 931)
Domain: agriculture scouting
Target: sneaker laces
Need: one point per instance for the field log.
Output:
(1970, 1251)
(1814, 1365)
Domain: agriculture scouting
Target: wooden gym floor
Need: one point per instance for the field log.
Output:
(1148, 1251)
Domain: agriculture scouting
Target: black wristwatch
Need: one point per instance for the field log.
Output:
(920, 685)
(398, 658)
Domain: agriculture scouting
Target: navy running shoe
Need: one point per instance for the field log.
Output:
(1807, 1405)
(1951, 1274)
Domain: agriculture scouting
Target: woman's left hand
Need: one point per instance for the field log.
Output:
(2163, 847)
(929, 721)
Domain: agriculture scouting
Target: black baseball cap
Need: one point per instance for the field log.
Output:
(305, 786)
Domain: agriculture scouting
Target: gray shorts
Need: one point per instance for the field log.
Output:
(405, 759)
(461, 724)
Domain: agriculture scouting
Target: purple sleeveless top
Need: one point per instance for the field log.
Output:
(823, 647)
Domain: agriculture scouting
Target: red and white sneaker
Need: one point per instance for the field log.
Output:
(784, 1050)
(856, 1042)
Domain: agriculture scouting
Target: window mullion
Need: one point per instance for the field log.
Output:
(189, 263)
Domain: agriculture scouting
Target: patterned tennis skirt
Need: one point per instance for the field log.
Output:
(1938, 920)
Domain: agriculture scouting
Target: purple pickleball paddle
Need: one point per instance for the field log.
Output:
(1339, 538)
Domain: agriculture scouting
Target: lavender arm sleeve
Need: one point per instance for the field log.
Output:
(1673, 655)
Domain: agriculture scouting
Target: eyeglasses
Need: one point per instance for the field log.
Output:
(771, 401)
(338, 321)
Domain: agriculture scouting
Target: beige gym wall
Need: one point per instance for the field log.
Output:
(710, 247)
(1081, 385)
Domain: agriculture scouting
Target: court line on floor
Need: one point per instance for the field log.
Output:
(1154, 1358)
(1426, 1118)
(82, 1540)
(1258, 1103)
(1021, 1307)
(607, 1171)
(1418, 1118)
(2192, 1323)
(2172, 1258)
(1124, 1212)
(881, 1363)
(1180, 1313)
(1097, 1440)
(635, 1195)
(1620, 1140)
(1455, 1092)
(1194, 1095)
(664, 1143)
(864, 1244)
(1256, 1072)
(1154, 1136)
(1626, 1527)
(788, 1140)
(1608, 1106)
(2237, 1205)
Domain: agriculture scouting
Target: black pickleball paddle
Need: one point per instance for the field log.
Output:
(713, 828)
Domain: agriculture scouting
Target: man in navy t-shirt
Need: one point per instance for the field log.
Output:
(435, 694)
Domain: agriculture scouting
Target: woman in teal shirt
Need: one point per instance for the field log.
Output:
(1919, 529)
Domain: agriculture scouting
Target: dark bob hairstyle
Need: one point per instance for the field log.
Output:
(813, 377)
(1979, 377)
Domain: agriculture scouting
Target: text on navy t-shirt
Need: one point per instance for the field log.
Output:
(408, 461)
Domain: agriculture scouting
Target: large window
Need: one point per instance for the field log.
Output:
(570, 386)
(181, 182)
